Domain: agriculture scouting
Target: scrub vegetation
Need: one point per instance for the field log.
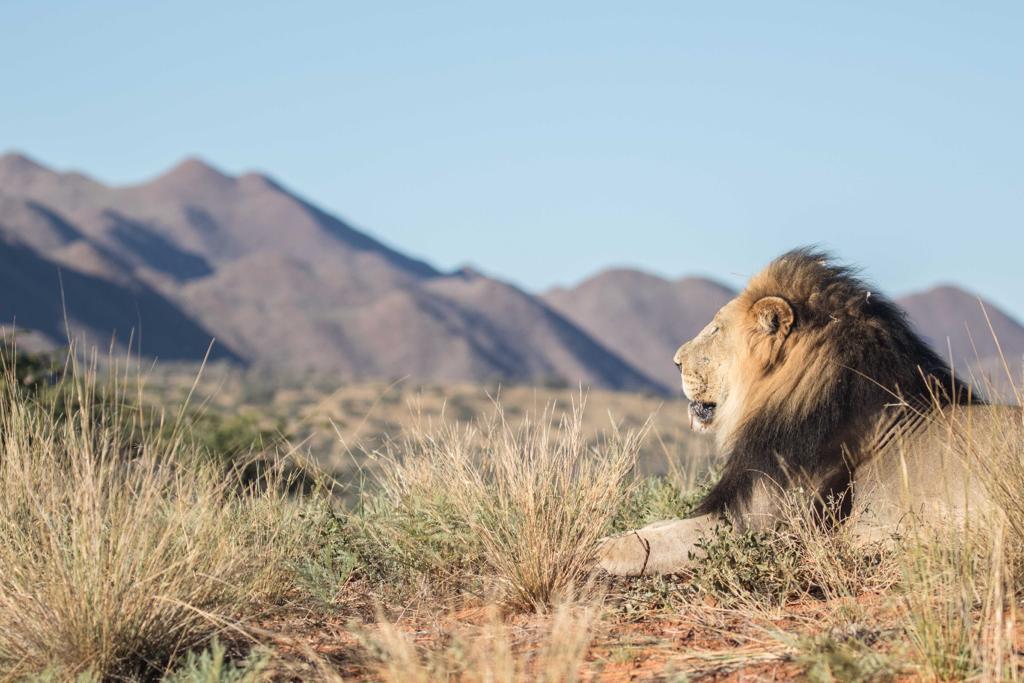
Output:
(148, 539)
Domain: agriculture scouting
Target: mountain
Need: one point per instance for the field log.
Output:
(450, 328)
(52, 300)
(642, 317)
(954, 320)
(196, 253)
(279, 282)
(187, 221)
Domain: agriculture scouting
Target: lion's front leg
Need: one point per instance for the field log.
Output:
(661, 548)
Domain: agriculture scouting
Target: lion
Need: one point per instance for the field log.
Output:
(813, 382)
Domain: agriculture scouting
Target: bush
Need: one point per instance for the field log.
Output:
(213, 666)
(487, 508)
(755, 565)
(229, 438)
(848, 657)
(653, 499)
(120, 547)
(806, 553)
(28, 372)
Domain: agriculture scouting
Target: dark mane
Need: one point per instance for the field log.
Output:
(850, 360)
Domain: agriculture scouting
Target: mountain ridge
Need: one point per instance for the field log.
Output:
(287, 284)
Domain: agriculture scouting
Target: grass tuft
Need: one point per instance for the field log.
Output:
(121, 547)
(515, 513)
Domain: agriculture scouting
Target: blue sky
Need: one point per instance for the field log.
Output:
(543, 141)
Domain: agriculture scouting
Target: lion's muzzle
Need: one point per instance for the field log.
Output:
(702, 414)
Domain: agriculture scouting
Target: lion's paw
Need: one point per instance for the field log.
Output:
(667, 547)
(624, 555)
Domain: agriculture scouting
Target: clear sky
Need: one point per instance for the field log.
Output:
(543, 141)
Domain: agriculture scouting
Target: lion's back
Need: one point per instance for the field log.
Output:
(945, 471)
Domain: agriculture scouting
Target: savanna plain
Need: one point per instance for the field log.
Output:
(184, 524)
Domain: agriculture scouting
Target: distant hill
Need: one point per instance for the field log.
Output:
(953, 319)
(196, 253)
(280, 283)
(642, 317)
(35, 293)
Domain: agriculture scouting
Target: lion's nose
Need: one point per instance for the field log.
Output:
(678, 357)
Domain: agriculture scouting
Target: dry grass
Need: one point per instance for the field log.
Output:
(961, 585)
(942, 593)
(125, 552)
(552, 650)
(765, 571)
(340, 424)
(520, 508)
(120, 548)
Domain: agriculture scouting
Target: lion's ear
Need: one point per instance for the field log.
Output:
(774, 316)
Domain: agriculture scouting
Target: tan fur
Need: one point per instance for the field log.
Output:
(816, 379)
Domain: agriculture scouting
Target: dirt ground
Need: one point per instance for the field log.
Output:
(702, 641)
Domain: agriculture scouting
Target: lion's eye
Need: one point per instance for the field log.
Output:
(714, 330)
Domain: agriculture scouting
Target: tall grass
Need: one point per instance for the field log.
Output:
(961, 583)
(959, 600)
(122, 547)
(520, 511)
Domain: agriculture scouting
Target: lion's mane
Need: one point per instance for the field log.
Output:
(812, 406)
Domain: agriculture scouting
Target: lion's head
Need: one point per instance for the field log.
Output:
(738, 334)
(793, 372)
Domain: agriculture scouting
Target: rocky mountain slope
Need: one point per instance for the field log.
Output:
(196, 253)
(954, 321)
(52, 300)
(640, 316)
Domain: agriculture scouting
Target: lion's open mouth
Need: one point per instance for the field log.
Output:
(702, 414)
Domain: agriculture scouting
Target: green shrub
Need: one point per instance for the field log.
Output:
(762, 566)
(29, 372)
(333, 559)
(850, 658)
(652, 499)
(229, 438)
(213, 666)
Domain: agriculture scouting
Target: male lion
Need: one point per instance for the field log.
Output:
(813, 382)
